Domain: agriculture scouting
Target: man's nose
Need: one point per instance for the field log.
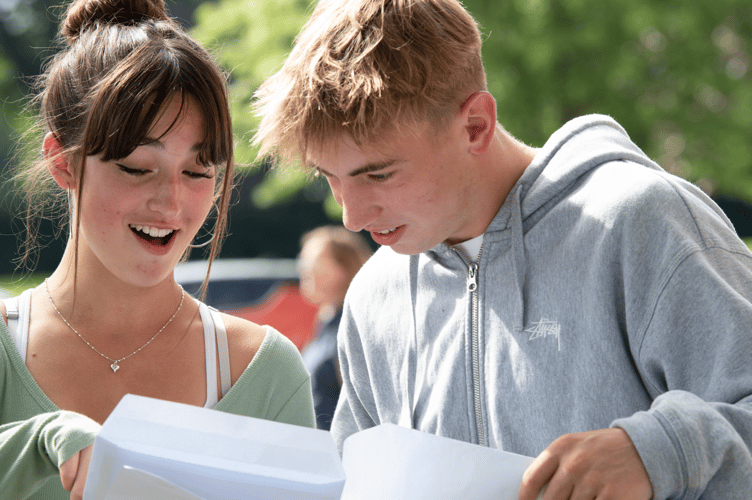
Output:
(359, 208)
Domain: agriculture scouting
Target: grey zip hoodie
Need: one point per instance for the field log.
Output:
(608, 293)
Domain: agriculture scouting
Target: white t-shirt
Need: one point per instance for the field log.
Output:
(471, 248)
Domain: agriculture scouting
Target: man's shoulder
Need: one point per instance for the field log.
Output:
(627, 186)
(639, 201)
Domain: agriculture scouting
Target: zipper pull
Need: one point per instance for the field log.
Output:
(472, 278)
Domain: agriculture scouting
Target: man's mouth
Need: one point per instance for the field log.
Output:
(153, 235)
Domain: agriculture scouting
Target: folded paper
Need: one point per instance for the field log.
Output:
(131, 484)
(212, 455)
(150, 448)
(397, 463)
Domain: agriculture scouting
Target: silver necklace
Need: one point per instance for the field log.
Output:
(115, 366)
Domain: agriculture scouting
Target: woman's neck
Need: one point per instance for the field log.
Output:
(97, 300)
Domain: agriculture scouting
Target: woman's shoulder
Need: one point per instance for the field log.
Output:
(244, 339)
(274, 377)
(263, 350)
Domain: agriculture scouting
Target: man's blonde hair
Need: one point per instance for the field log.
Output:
(362, 67)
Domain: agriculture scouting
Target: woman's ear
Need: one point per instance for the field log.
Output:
(479, 111)
(59, 166)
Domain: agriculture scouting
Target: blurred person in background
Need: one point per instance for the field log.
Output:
(330, 256)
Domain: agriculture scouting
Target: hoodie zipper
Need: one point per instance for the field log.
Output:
(472, 287)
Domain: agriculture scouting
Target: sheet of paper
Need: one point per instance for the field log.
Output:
(214, 455)
(131, 483)
(394, 462)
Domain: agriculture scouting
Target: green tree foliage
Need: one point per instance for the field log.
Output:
(251, 39)
(676, 74)
(25, 31)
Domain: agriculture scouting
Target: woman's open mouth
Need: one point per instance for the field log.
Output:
(153, 235)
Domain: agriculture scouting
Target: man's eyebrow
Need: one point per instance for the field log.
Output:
(372, 167)
(365, 169)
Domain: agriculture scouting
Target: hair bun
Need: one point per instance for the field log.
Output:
(84, 14)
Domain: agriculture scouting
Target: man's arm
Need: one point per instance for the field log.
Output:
(693, 356)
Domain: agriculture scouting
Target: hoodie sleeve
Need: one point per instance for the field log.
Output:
(694, 354)
(32, 450)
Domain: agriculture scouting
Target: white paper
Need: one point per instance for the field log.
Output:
(214, 455)
(134, 484)
(397, 463)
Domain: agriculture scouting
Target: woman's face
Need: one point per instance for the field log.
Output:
(139, 213)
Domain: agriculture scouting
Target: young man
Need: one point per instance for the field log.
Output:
(573, 302)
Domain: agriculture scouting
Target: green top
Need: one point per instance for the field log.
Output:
(36, 436)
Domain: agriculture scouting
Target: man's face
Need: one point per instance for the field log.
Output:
(410, 191)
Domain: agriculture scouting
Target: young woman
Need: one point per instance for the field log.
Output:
(138, 137)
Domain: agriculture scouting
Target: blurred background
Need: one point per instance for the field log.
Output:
(676, 74)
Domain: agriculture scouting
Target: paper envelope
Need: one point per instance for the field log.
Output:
(211, 455)
(397, 463)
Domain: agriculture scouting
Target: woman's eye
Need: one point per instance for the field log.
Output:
(209, 174)
(132, 171)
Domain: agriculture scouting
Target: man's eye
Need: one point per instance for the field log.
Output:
(132, 171)
(380, 177)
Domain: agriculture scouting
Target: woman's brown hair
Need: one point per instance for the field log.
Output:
(122, 61)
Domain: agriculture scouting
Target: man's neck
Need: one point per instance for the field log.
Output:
(499, 169)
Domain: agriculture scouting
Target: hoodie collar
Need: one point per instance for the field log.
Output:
(572, 151)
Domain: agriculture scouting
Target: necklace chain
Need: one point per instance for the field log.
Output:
(115, 366)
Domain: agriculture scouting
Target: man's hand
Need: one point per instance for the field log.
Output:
(73, 473)
(601, 464)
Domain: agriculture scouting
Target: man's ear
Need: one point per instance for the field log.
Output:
(479, 114)
(59, 166)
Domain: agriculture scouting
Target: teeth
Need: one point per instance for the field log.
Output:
(387, 231)
(154, 232)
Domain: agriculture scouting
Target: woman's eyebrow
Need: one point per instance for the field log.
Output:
(157, 144)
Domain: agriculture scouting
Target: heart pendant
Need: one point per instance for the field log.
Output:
(114, 367)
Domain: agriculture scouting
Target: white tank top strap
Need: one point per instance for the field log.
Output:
(215, 346)
(19, 313)
(210, 350)
(223, 350)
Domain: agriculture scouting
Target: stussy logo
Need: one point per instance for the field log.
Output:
(545, 328)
